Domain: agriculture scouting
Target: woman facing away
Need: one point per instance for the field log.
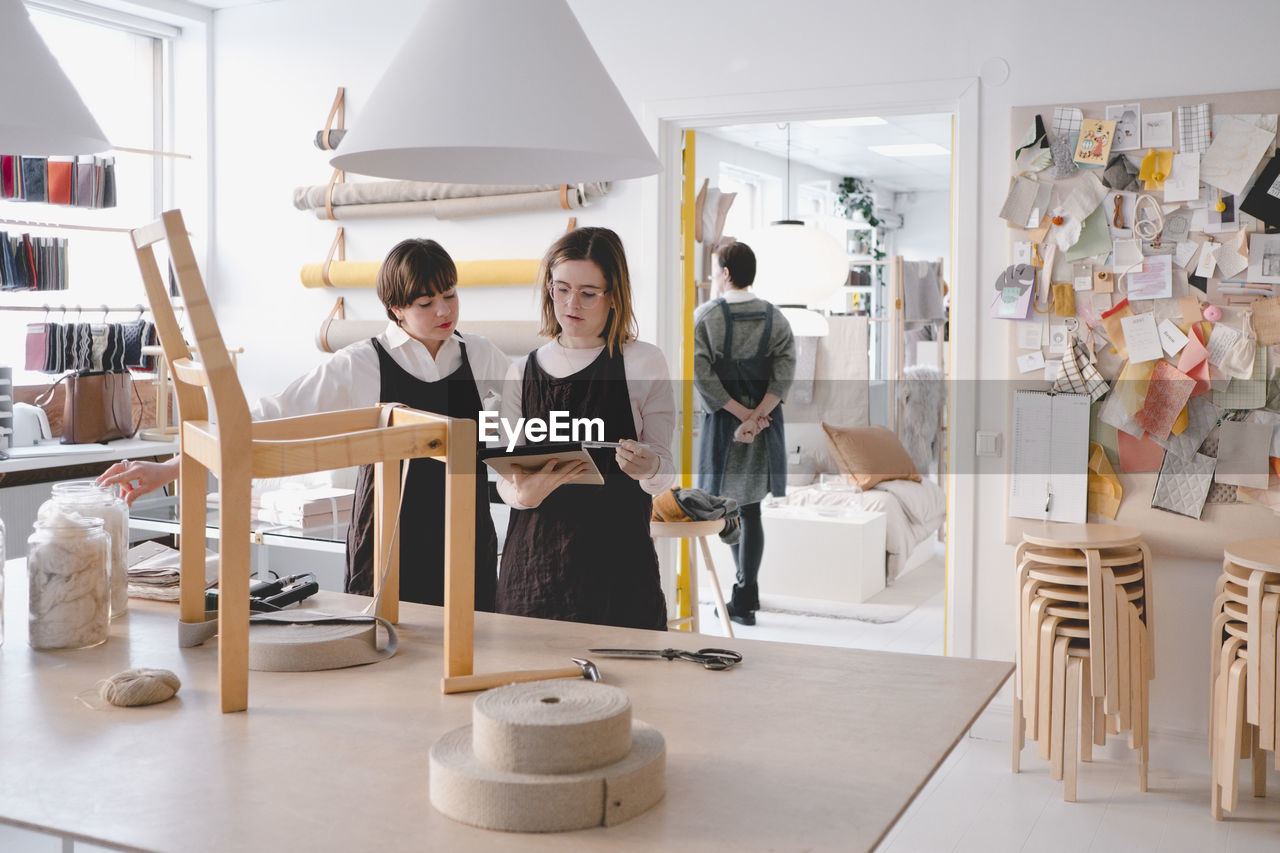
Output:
(421, 360)
(743, 364)
(575, 552)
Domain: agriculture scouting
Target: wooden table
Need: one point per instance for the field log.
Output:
(798, 748)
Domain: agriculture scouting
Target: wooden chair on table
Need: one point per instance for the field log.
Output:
(236, 450)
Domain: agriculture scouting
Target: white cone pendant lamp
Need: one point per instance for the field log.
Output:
(496, 92)
(40, 111)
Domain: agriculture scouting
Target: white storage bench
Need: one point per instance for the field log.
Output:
(815, 553)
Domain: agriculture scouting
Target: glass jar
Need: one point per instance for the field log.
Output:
(69, 604)
(91, 500)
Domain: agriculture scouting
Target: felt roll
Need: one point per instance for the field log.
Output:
(464, 788)
(305, 641)
(558, 726)
(470, 273)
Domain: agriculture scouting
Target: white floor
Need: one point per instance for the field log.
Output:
(976, 803)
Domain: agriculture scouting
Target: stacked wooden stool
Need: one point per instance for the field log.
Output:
(1243, 677)
(1085, 650)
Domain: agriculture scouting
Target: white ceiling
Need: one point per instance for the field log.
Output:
(844, 150)
(227, 4)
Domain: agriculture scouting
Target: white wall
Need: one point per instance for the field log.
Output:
(277, 64)
(925, 234)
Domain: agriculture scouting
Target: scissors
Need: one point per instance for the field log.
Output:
(709, 658)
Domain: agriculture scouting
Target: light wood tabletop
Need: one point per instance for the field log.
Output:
(797, 748)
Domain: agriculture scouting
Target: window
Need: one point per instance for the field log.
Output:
(759, 199)
(815, 200)
(119, 65)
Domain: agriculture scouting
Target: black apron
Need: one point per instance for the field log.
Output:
(584, 554)
(747, 381)
(421, 534)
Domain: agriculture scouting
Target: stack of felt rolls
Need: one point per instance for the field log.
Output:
(548, 756)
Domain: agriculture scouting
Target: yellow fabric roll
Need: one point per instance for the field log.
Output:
(470, 273)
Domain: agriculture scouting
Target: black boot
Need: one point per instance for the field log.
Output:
(743, 605)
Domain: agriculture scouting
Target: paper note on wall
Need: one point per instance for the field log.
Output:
(1154, 280)
(1237, 149)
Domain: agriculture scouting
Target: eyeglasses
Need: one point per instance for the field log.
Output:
(560, 294)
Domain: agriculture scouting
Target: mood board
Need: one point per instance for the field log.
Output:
(1144, 277)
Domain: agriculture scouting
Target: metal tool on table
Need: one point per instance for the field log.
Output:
(583, 668)
(709, 658)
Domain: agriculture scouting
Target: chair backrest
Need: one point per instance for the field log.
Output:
(218, 371)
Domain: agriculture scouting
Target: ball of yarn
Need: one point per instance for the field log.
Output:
(139, 687)
(1212, 313)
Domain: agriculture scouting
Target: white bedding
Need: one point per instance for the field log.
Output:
(913, 512)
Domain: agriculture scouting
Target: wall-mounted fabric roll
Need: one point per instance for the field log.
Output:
(368, 199)
(470, 273)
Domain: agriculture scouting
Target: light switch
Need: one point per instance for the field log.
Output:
(988, 443)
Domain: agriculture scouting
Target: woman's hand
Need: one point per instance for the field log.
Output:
(533, 486)
(750, 428)
(636, 460)
(139, 478)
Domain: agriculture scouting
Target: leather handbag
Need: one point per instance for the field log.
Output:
(99, 407)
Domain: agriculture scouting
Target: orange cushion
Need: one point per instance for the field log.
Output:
(870, 455)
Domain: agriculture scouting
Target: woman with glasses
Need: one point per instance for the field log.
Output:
(421, 360)
(582, 553)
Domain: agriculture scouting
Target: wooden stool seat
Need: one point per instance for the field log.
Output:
(1078, 577)
(1095, 536)
(1242, 573)
(1257, 554)
(1073, 557)
(697, 531)
(1067, 593)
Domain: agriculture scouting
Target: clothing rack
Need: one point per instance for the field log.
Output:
(27, 223)
(80, 309)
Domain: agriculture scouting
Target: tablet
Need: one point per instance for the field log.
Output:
(534, 456)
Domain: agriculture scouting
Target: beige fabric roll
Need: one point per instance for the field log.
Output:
(459, 208)
(556, 726)
(469, 791)
(470, 273)
(393, 192)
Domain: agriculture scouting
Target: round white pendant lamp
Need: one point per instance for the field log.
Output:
(496, 92)
(797, 265)
(40, 111)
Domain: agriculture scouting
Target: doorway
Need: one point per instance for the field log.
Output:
(730, 116)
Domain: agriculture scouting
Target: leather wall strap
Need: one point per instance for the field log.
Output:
(338, 177)
(564, 197)
(339, 245)
(573, 223)
(339, 312)
(338, 109)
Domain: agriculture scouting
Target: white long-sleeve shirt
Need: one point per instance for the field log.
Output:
(352, 378)
(653, 402)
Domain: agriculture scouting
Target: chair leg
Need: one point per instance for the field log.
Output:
(233, 588)
(1086, 713)
(715, 588)
(1044, 687)
(193, 511)
(1148, 608)
(1111, 651)
(1071, 746)
(1259, 764)
(1061, 699)
(1017, 738)
(1233, 718)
